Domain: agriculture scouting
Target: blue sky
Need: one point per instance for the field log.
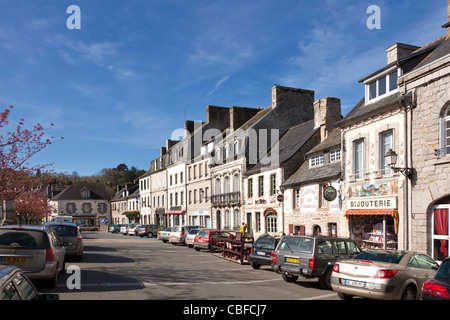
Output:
(118, 87)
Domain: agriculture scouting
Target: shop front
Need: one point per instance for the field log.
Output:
(89, 220)
(374, 222)
(132, 216)
(176, 216)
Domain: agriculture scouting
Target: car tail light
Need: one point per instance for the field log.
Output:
(435, 289)
(274, 257)
(336, 268)
(385, 274)
(49, 255)
(312, 263)
(251, 251)
(182, 233)
(79, 237)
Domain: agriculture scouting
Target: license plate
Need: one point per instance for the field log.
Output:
(261, 253)
(355, 283)
(293, 260)
(13, 259)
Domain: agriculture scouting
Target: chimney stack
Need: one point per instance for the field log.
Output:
(398, 51)
(447, 25)
(327, 112)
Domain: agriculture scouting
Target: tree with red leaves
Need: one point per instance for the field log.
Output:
(32, 206)
(16, 148)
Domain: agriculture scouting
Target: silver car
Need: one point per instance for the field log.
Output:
(383, 275)
(69, 233)
(179, 233)
(190, 237)
(163, 235)
(36, 250)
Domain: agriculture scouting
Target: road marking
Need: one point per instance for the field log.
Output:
(325, 296)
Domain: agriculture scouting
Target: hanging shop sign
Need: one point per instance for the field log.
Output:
(373, 203)
(329, 193)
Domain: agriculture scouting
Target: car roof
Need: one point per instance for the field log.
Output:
(23, 227)
(57, 223)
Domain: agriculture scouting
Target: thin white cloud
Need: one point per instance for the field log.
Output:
(218, 84)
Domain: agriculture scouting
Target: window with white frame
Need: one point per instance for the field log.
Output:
(335, 155)
(444, 133)
(382, 86)
(358, 159)
(386, 143)
(316, 160)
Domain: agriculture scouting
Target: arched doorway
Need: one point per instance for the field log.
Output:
(317, 231)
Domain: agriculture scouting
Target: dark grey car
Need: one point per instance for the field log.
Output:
(311, 257)
(70, 234)
(262, 251)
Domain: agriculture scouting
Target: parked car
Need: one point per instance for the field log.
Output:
(148, 230)
(37, 250)
(124, 229)
(262, 251)
(131, 231)
(164, 234)
(311, 257)
(190, 237)
(15, 285)
(178, 234)
(383, 274)
(439, 287)
(203, 238)
(115, 228)
(86, 227)
(69, 233)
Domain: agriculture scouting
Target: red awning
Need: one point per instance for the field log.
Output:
(378, 212)
(175, 212)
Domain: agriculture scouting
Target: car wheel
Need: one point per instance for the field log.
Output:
(255, 265)
(150, 235)
(197, 249)
(325, 279)
(344, 296)
(165, 241)
(289, 278)
(409, 293)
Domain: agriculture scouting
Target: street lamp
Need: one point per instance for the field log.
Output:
(391, 159)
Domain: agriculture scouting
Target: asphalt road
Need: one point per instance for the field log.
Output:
(118, 267)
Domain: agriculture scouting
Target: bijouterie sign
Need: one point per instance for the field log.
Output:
(373, 203)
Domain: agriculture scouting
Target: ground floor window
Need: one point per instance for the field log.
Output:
(271, 223)
(441, 235)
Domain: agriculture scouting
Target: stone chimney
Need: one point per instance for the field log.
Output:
(240, 115)
(398, 51)
(447, 25)
(218, 117)
(296, 103)
(327, 112)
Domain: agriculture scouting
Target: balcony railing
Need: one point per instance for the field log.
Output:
(226, 198)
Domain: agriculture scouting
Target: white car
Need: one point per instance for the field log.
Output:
(190, 237)
(164, 235)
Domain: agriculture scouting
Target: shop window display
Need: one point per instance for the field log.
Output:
(369, 231)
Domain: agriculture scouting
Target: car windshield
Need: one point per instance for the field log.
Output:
(297, 244)
(380, 257)
(265, 243)
(168, 229)
(65, 231)
(203, 234)
(23, 239)
(193, 231)
(444, 271)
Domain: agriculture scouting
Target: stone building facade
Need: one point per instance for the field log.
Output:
(429, 124)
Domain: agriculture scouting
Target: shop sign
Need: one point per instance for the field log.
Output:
(201, 213)
(329, 193)
(373, 203)
(309, 201)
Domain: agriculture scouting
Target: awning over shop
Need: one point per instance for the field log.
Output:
(127, 213)
(175, 212)
(369, 212)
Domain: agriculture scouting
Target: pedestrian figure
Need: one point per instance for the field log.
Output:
(243, 229)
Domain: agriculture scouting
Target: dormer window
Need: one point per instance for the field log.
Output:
(86, 193)
(335, 155)
(382, 85)
(316, 160)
